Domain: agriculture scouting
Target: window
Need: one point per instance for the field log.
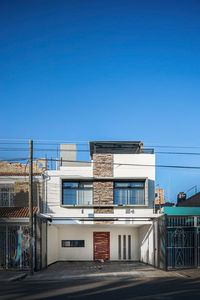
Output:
(129, 193)
(129, 246)
(73, 243)
(76, 193)
(122, 247)
(119, 247)
(6, 195)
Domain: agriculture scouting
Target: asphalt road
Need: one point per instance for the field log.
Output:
(104, 288)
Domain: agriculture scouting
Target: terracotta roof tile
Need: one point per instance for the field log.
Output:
(18, 174)
(16, 212)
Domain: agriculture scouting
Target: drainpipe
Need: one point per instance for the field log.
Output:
(38, 197)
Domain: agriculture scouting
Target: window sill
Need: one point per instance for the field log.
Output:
(111, 205)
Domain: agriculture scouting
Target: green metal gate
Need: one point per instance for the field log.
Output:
(182, 242)
(177, 242)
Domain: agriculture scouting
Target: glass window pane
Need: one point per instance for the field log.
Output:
(77, 193)
(124, 247)
(86, 185)
(129, 246)
(136, 184)
(69, 197)
(131, 194)
(119, 247)
(73, 243)
(129, 184)
(70, 184)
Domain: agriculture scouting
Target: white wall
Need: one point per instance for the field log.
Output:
(132, 171)
(84, 232)
(146, 244)
(52, 242)
(128, 170)
(53, 188)
(54, 185)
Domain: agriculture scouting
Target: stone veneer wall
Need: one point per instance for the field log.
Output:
(103, 190)
(103, 165)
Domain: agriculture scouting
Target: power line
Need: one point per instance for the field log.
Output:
(41, 149)
(117, 164)
(177, 153)
(57, 142)
(13, 159)
(87, 151)
(135, 165)
(171, 146)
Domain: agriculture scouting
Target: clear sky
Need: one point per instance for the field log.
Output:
(104, 70)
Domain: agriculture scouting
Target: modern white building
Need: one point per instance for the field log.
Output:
(102, 209)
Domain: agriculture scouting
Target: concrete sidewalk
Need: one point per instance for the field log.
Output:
(72, 270)
(7, 275)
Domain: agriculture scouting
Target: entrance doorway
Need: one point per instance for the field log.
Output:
(101, 245)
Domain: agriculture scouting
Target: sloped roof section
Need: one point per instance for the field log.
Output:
(17, 174)
(16, 212)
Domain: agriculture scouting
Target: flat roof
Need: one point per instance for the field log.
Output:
(182, 211)
(114, 146)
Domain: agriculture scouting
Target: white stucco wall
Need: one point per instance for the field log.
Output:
(53, 189)
(129, 169)
(52, 242)
(145, 169)
(146, 244)
(78, 232)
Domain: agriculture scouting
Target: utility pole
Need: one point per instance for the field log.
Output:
(31, 206)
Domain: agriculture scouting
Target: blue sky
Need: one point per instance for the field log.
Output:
(104, 70)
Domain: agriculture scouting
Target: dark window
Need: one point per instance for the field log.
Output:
(73, 243)
(129, 193)
(124, 247)
(119, 247)
(76, 193)
(129, 246)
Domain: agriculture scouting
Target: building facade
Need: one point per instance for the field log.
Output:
(159, 199)
(102, 209)
(14, 216)
(193, 201)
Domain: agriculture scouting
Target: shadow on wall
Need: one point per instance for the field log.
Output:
(146, 250)
(21, 195)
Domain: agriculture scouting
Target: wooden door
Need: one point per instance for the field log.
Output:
(101, 244)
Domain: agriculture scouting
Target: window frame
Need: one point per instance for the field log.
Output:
(75, 188)
(71, 242)
(130, 181)
(11, 191)
(113, 179)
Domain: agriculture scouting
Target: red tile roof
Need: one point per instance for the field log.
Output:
(18, 174)
(16, 212)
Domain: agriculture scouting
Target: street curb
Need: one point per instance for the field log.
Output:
(18, 277)
(90, 276)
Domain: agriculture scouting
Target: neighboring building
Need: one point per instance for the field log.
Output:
(14, 183)
(14, 215)
(193, 201)
(181, 197)
(159, 199)
(102, 209)
(181, 237)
